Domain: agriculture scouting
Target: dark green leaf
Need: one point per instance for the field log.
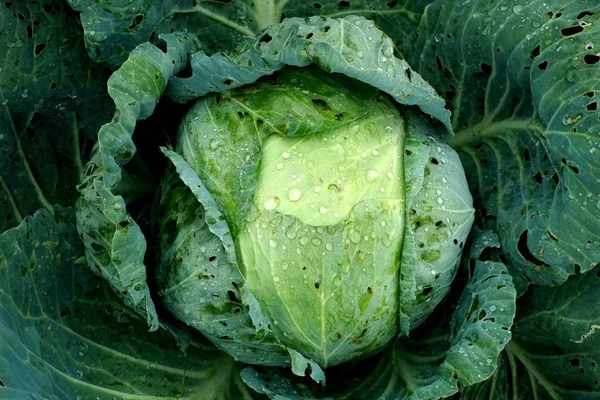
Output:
(555, 350)
(65, 335)
(52, 102)
(522, 81)
(113, 30)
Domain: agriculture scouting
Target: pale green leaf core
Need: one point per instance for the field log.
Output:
(327, 228)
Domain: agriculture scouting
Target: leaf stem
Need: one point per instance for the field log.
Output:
(490, 129)
(76, 145)
(34, 183)
(267, 12)
(411, 15)
(515, 349)
(219, 18)
(11, 199)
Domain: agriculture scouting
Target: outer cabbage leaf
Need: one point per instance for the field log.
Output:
(65, 335)
(198, 276)
(398, 19)
(440, 355)
(113, 30)
(555, 350)
(439, 218)
(353, 46)
(522, 82)
(52, 102)
(114, 243)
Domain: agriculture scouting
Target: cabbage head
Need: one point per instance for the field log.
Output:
(323, 220)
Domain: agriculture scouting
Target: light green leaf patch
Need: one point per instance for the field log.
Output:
(319, 179)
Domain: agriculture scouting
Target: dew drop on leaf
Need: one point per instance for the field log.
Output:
(294, 194)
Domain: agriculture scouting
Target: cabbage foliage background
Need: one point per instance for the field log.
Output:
(520, 83)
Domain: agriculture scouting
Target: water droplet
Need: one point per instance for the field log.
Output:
(375, 152)
(598, 204)
(279, 166)
(440, 200)
(214, 144)
(390, 175)
(303, 240)
(492, 308)
(323, 210)
(272, 203)
(518, 9)
(317, 189)
(272, 243)
(291, 233)
(294, 194)
(371, 175)
(444, 180)
(285, 155)
(276, 279)
(355, 237)
(359, 54)
(337, 280)
(316, 241)
(328, 246)
(285, 266)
